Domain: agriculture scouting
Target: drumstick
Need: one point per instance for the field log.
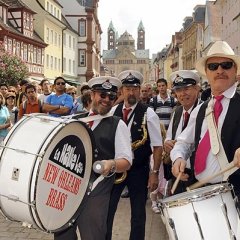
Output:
(207, 179)
(176, 183)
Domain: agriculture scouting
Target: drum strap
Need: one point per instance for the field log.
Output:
(94, 117)
(216, 143)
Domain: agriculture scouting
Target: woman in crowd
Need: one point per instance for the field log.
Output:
(76, 106)
(11, 105)
(4, 119)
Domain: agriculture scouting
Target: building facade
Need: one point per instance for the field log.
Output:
(123, 55)
(18, 35)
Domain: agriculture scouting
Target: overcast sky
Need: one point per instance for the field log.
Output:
(161, 19)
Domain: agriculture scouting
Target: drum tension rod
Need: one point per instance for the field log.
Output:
(16, 199)
(231, 233)
(198, 223)
(172, 225)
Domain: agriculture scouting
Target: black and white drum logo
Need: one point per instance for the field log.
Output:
(70, 154)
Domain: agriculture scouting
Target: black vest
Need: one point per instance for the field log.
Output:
(104, 136)
(230, 134)
(141, 154)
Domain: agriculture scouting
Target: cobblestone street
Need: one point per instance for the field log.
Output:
(155, 229)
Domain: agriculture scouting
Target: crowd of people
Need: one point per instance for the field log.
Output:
(153, 134)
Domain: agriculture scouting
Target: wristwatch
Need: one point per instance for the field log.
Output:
(154, 171)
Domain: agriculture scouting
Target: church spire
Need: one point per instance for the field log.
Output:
(141, 37)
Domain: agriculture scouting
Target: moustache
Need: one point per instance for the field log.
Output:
(221, 76)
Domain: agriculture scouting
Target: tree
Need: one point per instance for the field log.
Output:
(12, 68)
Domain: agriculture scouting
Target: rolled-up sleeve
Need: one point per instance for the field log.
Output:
(123, 142)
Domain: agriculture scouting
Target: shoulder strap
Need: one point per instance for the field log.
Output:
(24, 105)
(176, 119)
(154, 103)
(172, 102)
(40, 105)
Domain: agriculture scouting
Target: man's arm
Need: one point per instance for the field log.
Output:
(153, 176)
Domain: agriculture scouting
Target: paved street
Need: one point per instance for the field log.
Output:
(154, 228)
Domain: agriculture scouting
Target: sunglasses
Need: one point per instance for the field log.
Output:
(71, 93)
(112, 96)
(11, 91)
(224, 65)
(60, 83)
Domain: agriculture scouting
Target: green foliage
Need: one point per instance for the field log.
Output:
(12, 68)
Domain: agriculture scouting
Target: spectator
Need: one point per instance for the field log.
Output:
(32, 104)
(86, 100)
(77, 107)
(163, 103)
(59, 103)
(46, 90)
(10, 104)
(5, 122)
(4, 89)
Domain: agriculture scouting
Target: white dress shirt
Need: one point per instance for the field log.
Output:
(185, 141)
(122, 140)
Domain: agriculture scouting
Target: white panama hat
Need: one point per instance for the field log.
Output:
(218, 49)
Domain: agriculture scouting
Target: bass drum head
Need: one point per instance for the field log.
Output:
(64, 175)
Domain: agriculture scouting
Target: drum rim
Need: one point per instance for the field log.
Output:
(216, 189)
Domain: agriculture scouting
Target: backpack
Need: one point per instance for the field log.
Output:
(25, 106)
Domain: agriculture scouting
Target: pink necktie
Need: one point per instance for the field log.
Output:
(205, 146)
(126, 111)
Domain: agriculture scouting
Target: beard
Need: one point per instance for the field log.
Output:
(132, 100)
(101, 109)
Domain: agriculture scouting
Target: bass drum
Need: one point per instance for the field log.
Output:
(45, 169)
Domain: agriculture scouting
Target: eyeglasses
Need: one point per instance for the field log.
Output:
(112, 96)
(11, 91)
(28, 92)
(60, 83)
(224, 65)
(71, 93)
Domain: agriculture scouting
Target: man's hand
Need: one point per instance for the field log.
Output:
(168, 145)
(179, 166)
(236, 159)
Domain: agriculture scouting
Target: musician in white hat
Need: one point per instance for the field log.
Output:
(185, 84)
(144, 124)
(209, 158)
(113, 143)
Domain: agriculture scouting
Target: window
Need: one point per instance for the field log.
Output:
(10, 46)
(74, 43)
(34, 55)
(51, 62)
(74, 68)
(47, 63)
(69, 65)
(55, 63)
(51, 36)
(55, 38)
(59, 64)
(25, 53)
(64, 64)
(70, 41)
(82, 58)
(47, 37)
(39, 56)
(82, 28)
(18, 49)
(48, 6)
(64, 39)
(59, 40)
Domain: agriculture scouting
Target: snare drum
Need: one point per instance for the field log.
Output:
(45, 169)
(207, 213)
